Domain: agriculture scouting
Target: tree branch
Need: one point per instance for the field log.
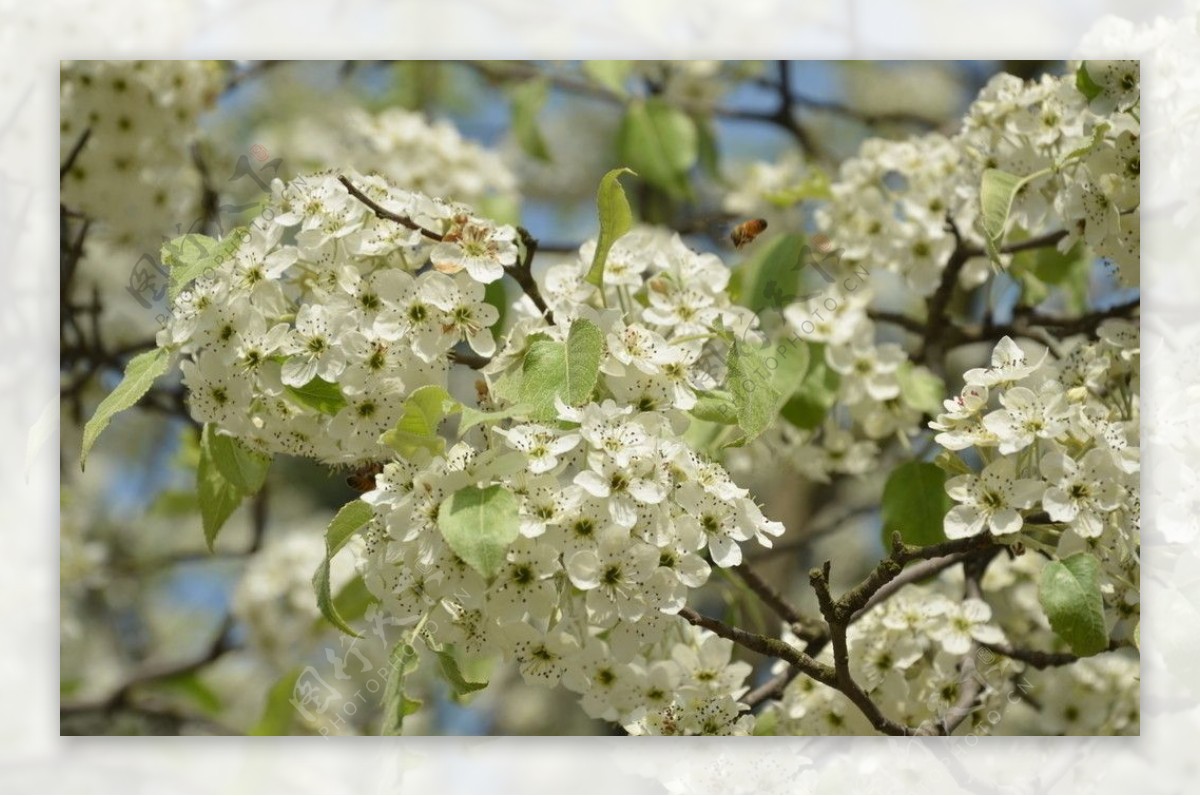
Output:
(522, 273)
(764, 645)
(384, 213)
(1040, 659)
(73, 155)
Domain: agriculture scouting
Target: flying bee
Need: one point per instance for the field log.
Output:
(745, 233)
(363, 478)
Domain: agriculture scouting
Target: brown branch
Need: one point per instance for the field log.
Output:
(469, 358)
(1027, 322)
(149, 674)
(1040, 659)
(384, 213)
(73, 155)
(522, 273)
(937, 316)
(837, 614)
(804, 627)
(764, 645)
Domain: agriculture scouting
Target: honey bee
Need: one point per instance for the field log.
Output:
(747, 231)
(363, 478)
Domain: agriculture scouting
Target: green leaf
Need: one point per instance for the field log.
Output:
(454, 676)
(397, 705)
(323, 396)
(769, 279)
(1083, 81)
(417, 428)
(815, 185)
(190, 685)
(219, 497)
(479, 525)
(809, 404)
(472, 417)
(244, 468)
(749, 382)
(610, 74)
(1070, 596)
(496, 294)
(190, 256)
(996, 195)
(347, 522)
(353, 599)
(140, 374)
(715, 406)
(1098, 134)
(920, 388)
(278, 711)
(527, 101)
(915, 504)
(660, 143)
(709, 147)
(568, 371)
(952, 464)
(615, 220)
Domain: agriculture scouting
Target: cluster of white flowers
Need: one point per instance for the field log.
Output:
(616, 517)
(1023, 128)
(901, 207)
(308, 337)
(426, 157)
(1058, 436)
(133, 175)
(619, 518)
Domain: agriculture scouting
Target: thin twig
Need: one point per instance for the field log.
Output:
(764, 645)
(74, 154)
(522, 273)
(1040, 659)
(384, 213)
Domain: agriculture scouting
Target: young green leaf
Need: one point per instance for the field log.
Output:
(323, 396)
(610, 74)
(769, 279)
(1070, 596)
(454, 676)
(191, 256)
(920, 388)
(996, 195)
(417, 428)
(659, 142)
(915, 504)
(479, 525)
(1083, 81)
(809, 404)
(749, 382)
(615, 220)
(244, 468)
(353, 599)
(218, 496)
(347, 522)
(566, 370)
(397, 705)
(140, 374)
(715, 406)
(815, 185)
(528, 98)
(279, 709)
(472, 417)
